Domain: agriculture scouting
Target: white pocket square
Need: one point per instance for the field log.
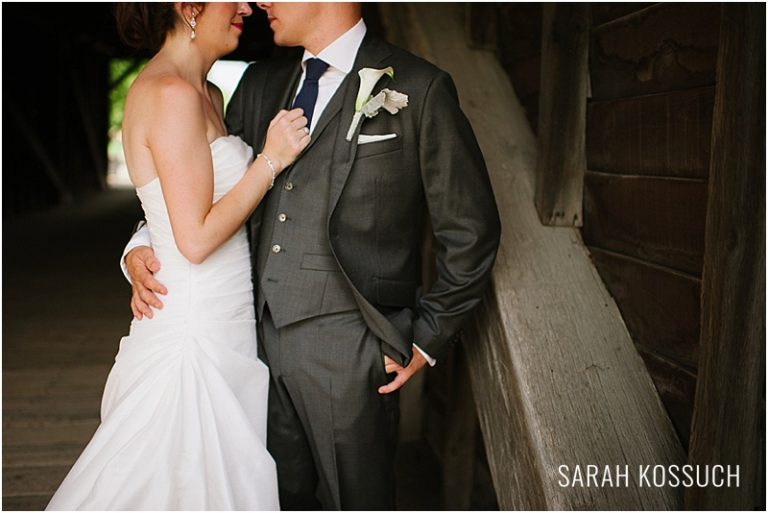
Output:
(365, 139)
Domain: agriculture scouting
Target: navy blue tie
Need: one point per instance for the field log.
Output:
(307, 97)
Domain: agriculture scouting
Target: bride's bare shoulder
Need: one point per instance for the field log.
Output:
(161, 86)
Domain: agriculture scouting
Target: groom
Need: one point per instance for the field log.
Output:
(336, 249)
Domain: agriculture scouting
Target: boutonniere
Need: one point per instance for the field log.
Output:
(367, 105)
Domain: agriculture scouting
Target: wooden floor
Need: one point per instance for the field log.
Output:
(65, 308)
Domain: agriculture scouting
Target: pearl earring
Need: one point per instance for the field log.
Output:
(193, 24)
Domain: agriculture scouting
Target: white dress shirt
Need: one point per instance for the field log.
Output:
(340, 56)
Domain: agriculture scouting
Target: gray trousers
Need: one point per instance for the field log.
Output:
(332, 435)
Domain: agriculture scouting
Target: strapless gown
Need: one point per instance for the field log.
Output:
(184, 411)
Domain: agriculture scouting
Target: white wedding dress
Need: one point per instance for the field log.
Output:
(184, 412)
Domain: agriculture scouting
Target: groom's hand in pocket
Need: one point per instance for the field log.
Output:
(403, 373)
(142, 266)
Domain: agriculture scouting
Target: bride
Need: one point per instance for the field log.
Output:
(184, 408)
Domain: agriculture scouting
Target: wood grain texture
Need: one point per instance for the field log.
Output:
(656, 219)
(663, 47)
(557, 379)
(659, 305)
(728, 421)
(562, 114)
(665, 134)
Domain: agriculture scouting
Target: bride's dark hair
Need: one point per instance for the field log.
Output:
(145, 25)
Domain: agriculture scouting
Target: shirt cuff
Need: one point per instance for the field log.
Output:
(140, 238)
(431, 361)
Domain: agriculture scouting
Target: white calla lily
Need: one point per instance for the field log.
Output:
(368, 79)
(368, 106)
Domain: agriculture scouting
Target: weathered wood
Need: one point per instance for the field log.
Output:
(666, 134)
(656, 219)
(663, 47)
(33, 480)
(26, 502)
(676, 385)
(727, 419)
(562, 113)
(659, 305)
(556, 377)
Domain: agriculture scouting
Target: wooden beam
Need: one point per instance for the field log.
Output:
(562, 113)
(555, 375)
(727, 415)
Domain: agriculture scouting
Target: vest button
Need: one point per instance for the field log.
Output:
(289, 186)
(276, 248)
(282, 218)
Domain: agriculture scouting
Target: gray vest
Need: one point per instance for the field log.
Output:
(298, 276)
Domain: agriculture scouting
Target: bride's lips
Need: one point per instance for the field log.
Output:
(238, 25)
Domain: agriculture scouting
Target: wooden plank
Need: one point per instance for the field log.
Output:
(676, 386)
(41, 455)
(26, 502)
(45, 432)
(659, 220)
(603, 12)
(666, 134)
(664, 47)
(562, 115)
(659, 305)
(556, 377)
(27, 481)
(728, 421)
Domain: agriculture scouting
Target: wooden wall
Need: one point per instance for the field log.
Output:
(652, 70)
(649, 123)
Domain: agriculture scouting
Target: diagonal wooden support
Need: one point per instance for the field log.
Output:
(557, 380)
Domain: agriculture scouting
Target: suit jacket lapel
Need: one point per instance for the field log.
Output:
(372, 53)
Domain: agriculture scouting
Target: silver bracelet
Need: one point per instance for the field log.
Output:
(271, 167)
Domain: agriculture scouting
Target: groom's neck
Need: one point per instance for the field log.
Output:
(333, 23)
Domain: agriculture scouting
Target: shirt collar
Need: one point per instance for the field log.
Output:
(341, 53)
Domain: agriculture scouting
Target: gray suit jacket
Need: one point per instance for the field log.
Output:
(380, 192)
